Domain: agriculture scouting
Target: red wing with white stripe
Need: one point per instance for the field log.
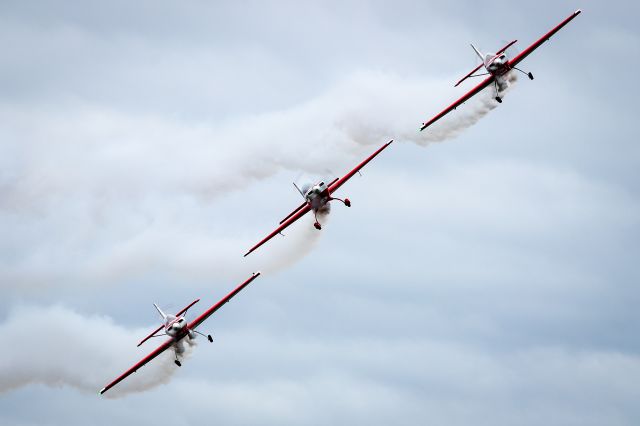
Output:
(206, 314)
(163, 347)
(297, 214)
(339, 182)
(526, 52)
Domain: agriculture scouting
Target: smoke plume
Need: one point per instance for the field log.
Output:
(58, 347)
(105, 195)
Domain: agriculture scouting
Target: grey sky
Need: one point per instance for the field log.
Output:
(488, 279)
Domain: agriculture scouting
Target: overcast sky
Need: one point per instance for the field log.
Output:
(487, 272)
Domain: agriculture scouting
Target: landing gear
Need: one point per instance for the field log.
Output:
(317, 224)
(178, 363)
(497, 98)
(528, 74)
(208, 336)
(346, 201)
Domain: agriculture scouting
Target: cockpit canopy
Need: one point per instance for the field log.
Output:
(315, 190)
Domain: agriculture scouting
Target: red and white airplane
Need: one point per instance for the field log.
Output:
(317, 198)
(177, 328)
(498, 67)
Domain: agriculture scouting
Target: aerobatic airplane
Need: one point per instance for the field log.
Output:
(317, 198)
(177, 328)
(498, 67)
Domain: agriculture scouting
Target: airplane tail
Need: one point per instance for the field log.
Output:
(484, 60)
(473, 71)
(165, 316)
(162, 314)
(299, 190)
(480, 55)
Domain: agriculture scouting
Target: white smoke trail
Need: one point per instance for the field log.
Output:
(152, 154)
(461, 119)
(394, 108)
(300, 241)
(364, 126)
(86, 353)
(58, 347)
(103, 194)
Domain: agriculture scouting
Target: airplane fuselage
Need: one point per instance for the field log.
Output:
(176, 328)
(498, 67)
(318, 196)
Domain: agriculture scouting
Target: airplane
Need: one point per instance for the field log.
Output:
(498, 67)
(177, 328)
(316, 199)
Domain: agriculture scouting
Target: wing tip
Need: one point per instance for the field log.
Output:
(577, 12)
(103, 390)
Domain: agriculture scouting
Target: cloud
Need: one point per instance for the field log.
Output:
(485, 282)
(108, 191)
(381, 379)
(58, 347)
(311, 380)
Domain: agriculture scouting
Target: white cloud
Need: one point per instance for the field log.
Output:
(293, 380)
(101, 192)
(58, 347)
(486, 281)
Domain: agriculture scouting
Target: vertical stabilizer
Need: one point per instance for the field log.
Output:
(164, 316)
(299, 190)
(478, 53)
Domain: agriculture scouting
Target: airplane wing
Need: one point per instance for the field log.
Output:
(300, 207)
(339, 182)
(487, 81)
(163, 347)
(206, 314)
(526, 52)
(297, 214)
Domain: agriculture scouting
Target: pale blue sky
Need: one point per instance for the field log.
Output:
(488, 279)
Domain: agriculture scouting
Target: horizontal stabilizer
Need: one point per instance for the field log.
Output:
(511, 43)
(469, 75)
